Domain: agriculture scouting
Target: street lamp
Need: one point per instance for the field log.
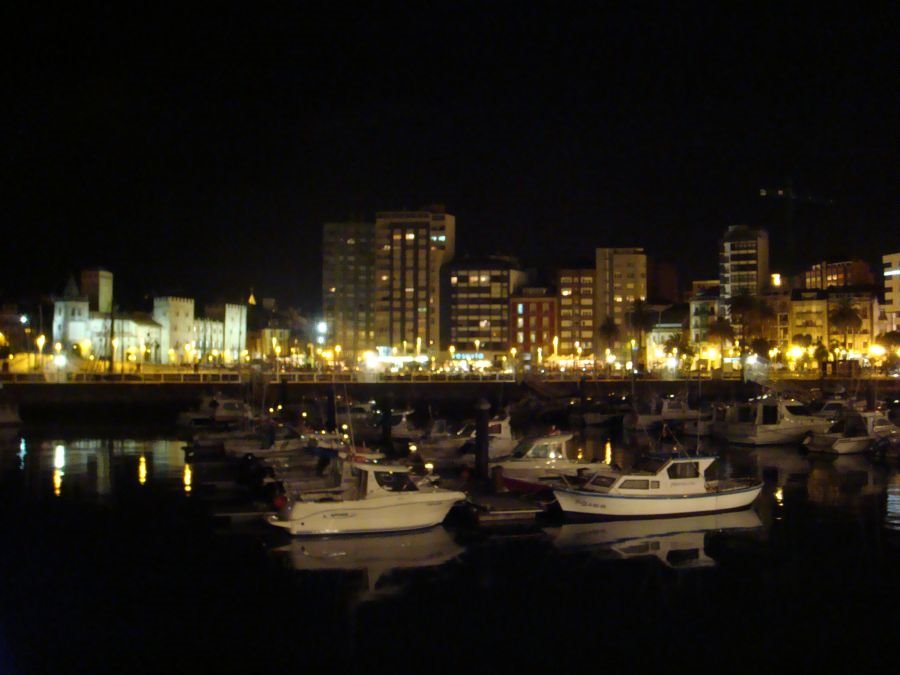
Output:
(40, 345)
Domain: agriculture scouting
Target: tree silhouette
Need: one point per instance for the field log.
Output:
(845, 319)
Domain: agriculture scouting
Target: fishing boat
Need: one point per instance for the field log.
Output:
(771, 421)
(657, 486)
(538, 461)
(854, 432)
(379, 498)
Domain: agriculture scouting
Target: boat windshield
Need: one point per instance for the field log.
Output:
(602, 480)
(539, 450)
(395, 482)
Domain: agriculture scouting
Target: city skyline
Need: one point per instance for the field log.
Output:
(202, 156)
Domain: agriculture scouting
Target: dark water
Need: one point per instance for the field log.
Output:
(113, 561)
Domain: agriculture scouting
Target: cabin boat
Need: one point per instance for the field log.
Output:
(536, 463)
(454, 449)
(651, 415)
(657, 486)
(854, 432)
(215, 411)
(379, 498)
(832, 409)
(771, 421)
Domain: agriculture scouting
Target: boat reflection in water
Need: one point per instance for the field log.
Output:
(679, 543)
(374, 555)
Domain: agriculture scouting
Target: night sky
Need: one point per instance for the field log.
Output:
(200, 153)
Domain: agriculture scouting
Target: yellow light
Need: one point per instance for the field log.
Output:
(779, 496)
(142, 470)
(795, 352)
(41, 339)
(57, 481)
(607, 452)
(877, 351)
(57, 347)
(580, 454)
(188, 478)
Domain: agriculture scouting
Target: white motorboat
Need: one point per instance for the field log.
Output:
(854, 432)
(380, 498)
(376, 555)
(771, 421)
(834, 408)
(677, 542)
(657, 486)
(539, 461)
(455, 449)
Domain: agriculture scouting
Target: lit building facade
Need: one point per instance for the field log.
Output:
(233, 318)
(845, 273)
(348, 286)
(891, 272)
(743, 261)
(620, 279)
(809, 314)
(176, 319)
(533, 313)
(478, 297)
(577, 321)
(704, 310)
(410, 249)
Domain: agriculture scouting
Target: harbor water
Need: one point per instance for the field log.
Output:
(115, 559)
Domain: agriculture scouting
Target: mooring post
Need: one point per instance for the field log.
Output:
(481, 438)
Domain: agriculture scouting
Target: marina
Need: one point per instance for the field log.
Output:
(135, 539)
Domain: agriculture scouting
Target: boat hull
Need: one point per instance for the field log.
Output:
(776, 434)
(415, 511)
(627, 506)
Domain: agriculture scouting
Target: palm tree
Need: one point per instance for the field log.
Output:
(751, 313)
(845, 318)
(821, 355)
(720, 330)
(609, 333)
(641, 320)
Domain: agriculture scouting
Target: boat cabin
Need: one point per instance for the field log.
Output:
(766, 411)
(542, 447)
(372, 479)
(655, 475)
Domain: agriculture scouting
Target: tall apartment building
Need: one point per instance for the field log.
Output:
(533, 314)
(621, 278)
(348, 286)
(478, 296)
(844, 273)
(892, 290)
(577, 321)
(743, 261)
(410, 249)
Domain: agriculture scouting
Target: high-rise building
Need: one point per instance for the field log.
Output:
(348, 286)
(892, 290)
(479, 293)
(621, 278)
(836, 274)
(743, 261)
(410, 249)
(577, 323)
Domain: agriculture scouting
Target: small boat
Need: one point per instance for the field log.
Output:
(771, 421)
(215, 411)
(456, 449)
(854, 432)
(537, 462)
(651, 415)
(380, 498)
(832, 409)
(657, 486)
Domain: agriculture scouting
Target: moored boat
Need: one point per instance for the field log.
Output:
(771, 421)
(379, 498)
(854, 432)
(657, 486)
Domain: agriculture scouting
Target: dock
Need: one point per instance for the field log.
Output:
(502, 509)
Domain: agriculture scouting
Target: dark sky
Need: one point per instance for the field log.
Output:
(200, 153)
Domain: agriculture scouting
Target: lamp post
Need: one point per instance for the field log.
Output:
(39, 341)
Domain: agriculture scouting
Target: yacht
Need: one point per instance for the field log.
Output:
(854, 432)
(650, 415)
